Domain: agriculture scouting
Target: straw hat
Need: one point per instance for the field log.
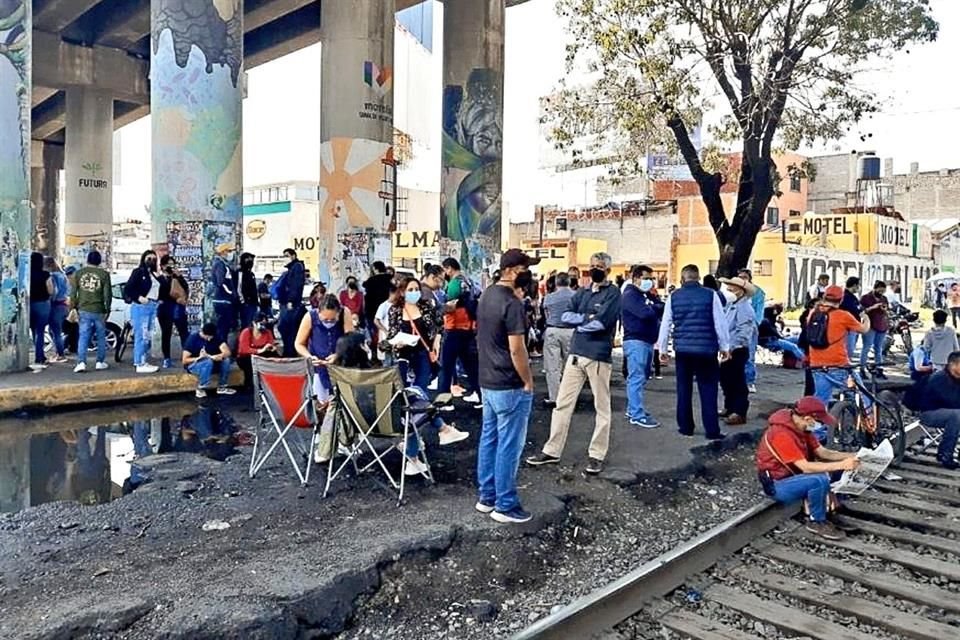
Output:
(748, 288)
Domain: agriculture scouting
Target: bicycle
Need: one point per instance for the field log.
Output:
(859, 426)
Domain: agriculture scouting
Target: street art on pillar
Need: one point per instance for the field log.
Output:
(357, 192)
(196, 104)
(15, 208)
(472, 167)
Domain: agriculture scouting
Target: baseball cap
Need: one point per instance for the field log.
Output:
(516, 258)
(833, 293)
(814, 408)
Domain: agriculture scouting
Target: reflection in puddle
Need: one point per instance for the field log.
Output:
(92, 465)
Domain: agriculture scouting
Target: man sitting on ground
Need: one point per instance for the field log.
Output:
(792, 465)
(204, 353)
(941, 340)
(938, 400)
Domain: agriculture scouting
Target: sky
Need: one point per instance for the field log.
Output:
(282, 121)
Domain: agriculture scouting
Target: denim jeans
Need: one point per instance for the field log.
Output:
(90, 322)
(39, 318)
(828, 381)
(638, 354)
(418, 361)
(204, 369)
(949, 421)
(750, 368)
(505, 417)
(812, 486)
(852, 344)
(288, 326)
(413, 443)
(872, 339)
(248, 313)
(226, 314)
(458, 346)
(787, 347)
(142, 317)
(58, 313)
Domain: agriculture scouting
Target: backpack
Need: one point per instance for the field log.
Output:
(278, 286)
(817, 326)
(469, 296)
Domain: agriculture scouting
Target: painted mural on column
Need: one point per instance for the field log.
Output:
(15, 229)
(472, 171)
(196, 104)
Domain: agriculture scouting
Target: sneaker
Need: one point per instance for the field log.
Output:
(685, 434)
(516, 515)
(594, 466)
(658, 377)
(102, 366)
(549, 404)
(80, 368)
(226, 391)
(167, 363)
(541, 459)
(735, 420)
(646, 422)
(473, 398)
(948, 463)
(433, 385)
(825, 530)
(57, 360)
(484, 507)
(752, 388)
(147, 368)
(452, 435)
(201, 393)
(38, 366)
(415, 468)
(717, 436)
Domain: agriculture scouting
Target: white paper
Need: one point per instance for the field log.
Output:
(404, 340)
(873, 462)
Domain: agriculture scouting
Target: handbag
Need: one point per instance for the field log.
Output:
(177, 293)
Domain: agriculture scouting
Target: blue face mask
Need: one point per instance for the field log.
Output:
(412, 297)
(329, 324)
(646, 285)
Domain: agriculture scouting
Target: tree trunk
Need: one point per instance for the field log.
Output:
(736, 242)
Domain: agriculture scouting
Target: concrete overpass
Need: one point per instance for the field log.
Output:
(71, 71)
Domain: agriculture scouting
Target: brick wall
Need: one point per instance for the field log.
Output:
(928, 194)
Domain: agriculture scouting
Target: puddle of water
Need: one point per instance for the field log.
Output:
(61, 460)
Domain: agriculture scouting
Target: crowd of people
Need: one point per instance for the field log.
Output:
(481, 342)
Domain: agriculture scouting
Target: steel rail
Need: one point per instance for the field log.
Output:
(615, 602)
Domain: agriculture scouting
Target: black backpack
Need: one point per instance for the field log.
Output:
(469, 296)
(817, 326)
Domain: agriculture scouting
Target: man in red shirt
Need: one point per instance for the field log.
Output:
(792, 465)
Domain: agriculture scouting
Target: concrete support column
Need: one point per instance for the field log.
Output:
(471, 165)
(16, 85)
(14, 472)
(88, 210)
(47, 162)
(196, 95)
(357, 170)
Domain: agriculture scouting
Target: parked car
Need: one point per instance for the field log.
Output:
(118, 320)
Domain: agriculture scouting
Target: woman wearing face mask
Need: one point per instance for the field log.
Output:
(255, 340)
(249, 296)
(793, 466)
(317, 339)
(351, 298)
(41, 291)
(742, 325)
(413, 315)
(142, 291)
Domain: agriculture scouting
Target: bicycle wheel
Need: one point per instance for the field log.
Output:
(889, 425)
(845, 436)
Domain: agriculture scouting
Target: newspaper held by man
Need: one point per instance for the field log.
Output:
(873, 462)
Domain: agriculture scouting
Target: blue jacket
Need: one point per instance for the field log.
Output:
(641, 313)
(293, 282)
(758, 301)
(692, 310)
(940, 391)
(593, 338)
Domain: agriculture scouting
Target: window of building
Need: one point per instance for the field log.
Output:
(794, 213)
(763, 267)
(773, 216)
(795, 183)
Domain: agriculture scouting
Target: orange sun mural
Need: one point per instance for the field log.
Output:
(351, 176)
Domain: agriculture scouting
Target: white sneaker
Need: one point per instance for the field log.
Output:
(102, 366)
(38, 366)
(433, 385)
(752, 388)
(473, 398)
(147, 368)
(452, 435)
(201, 393)
(226, 391)
(80, 368)
(415, 467)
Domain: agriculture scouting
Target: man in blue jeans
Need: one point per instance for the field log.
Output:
(507, 388)
(938, 399)
(640, 314)
(792, 465)
(92, 297)
(758, 301)
(204, 353)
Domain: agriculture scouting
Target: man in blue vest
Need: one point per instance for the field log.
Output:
(695, 316)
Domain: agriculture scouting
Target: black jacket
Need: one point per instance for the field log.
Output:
(166, 280)
(140, 282)
(940, 391)
(292, 290)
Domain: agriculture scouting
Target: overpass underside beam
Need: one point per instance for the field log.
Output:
(196, 103)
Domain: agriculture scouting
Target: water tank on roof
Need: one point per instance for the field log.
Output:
(870, 168)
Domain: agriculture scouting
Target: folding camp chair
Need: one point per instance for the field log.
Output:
(287, 406)
(364, 402)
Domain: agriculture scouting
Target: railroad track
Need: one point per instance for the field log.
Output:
(761, 575)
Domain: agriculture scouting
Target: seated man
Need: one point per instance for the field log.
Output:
(770, 338)
(204, 353)
(792, 465)
(938, 399)
(921, 367)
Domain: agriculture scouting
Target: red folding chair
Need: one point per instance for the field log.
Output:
(288, 412)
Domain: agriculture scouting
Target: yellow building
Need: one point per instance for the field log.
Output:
(561, 254)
